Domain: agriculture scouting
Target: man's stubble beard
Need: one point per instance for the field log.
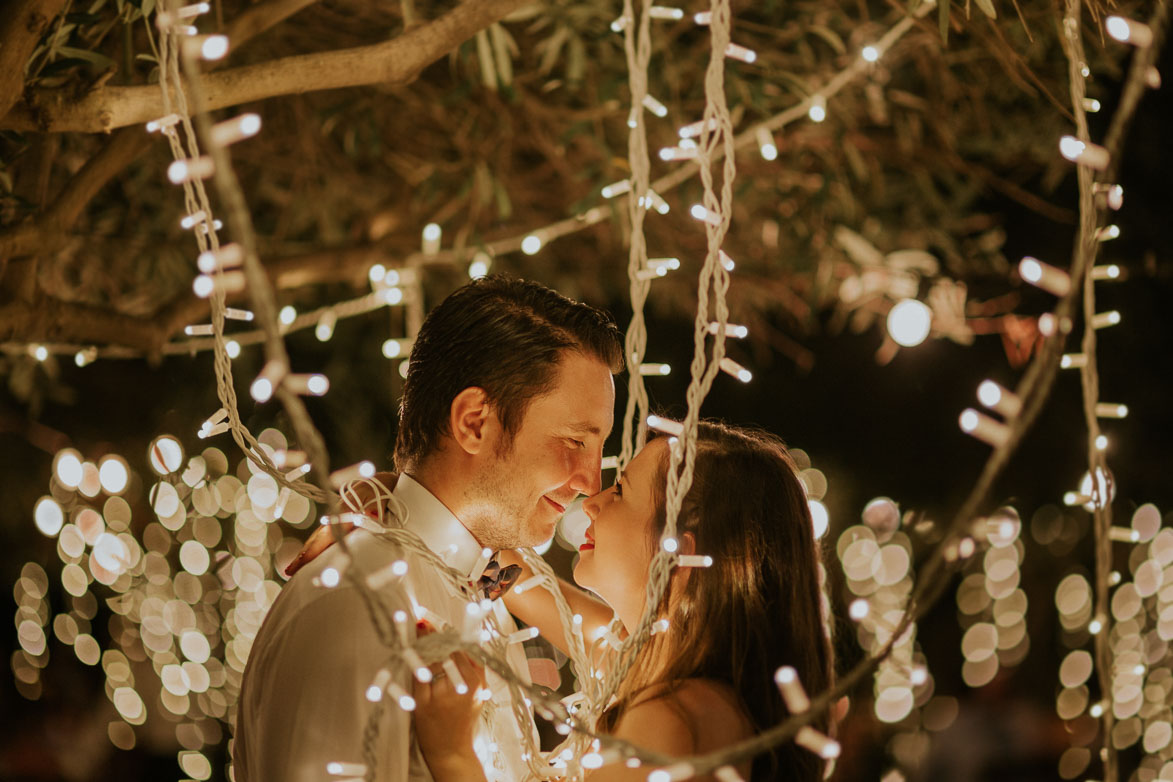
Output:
(496, 516)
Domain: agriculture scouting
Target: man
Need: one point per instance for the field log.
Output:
(508, 400)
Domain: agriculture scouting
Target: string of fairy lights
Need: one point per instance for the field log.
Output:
(224, 583)
(1116, 624)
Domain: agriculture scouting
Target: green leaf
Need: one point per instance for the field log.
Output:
(60, 66)
(147, 57)
(501, 51)
(552, 47)
(576, 61)
(485, 58)
(504, 205)
(943, 20)
(148, 6)
(988, 9)
(99, 60)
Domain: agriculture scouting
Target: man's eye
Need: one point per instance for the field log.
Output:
(576, 443)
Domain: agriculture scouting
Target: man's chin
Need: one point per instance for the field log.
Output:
(540, 535)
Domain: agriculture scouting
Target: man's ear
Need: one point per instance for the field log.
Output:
(469, 419)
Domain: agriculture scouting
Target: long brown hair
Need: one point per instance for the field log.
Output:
(758, 607)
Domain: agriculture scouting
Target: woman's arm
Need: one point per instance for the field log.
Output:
(536, 606)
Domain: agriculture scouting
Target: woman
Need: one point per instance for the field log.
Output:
(706, 682)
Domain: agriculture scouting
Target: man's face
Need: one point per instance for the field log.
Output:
(520, 492)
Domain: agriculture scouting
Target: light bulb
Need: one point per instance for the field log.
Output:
(818, 109)
(214, 47)
(1041, 275)
(870, 53)
(655, 106)
(236, 129)
(909, 322)
(1084, 154)
(531, 244)
(1128, 31)
(431, 239)
(113, 475)
(479, 266)
(766, 144)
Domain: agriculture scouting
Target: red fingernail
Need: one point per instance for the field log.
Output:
(421, 625)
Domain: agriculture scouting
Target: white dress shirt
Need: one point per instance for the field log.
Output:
(302, 701)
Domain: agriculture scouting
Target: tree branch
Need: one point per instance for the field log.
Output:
(398, 61)
(52, 320)
(49, 229)
(20, 31)
(258, 18)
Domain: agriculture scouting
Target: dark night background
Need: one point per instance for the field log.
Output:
(874, 430)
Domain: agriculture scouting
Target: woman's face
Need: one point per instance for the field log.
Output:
(614, 561)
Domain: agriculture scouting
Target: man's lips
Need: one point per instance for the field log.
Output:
(556, 506)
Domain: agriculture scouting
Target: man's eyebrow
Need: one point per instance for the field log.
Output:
(582, 427)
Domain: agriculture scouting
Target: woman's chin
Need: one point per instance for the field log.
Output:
(583, 571)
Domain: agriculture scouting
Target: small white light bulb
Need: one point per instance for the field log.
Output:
(909, 322)
(214, 47)
(431, 239)
(818, 109)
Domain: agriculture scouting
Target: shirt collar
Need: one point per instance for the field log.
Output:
(439, 528)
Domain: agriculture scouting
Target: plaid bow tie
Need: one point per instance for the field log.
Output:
(497, 580)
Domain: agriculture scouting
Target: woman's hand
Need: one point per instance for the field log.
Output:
(446, 720)
(323, 537)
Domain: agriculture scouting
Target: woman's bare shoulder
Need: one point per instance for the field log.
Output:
(691, 717)
(708, 712)
(714, 711)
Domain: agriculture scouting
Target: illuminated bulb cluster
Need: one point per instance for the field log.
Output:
(173, 615)
(990, 605)
(1141, 629)
(877, 564)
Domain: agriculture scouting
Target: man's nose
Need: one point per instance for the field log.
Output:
(588, 474)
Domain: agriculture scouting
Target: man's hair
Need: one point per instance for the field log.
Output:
(506, 336)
